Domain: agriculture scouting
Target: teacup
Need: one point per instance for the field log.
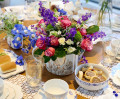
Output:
(56, 89)
(1, 86)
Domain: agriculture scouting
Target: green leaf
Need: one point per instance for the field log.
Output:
(54, 57)
(78, 36)
(38, 52)
(60, 52)
(46, 59)
(93, 29)
(87, 1)
(49, 27)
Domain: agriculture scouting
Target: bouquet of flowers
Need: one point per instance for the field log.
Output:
(58, 36)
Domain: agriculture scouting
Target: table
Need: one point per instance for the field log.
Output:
(93, 57)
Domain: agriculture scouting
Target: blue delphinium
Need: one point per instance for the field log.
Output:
(65, 1)
(84, 18)
(62, 12)
(32, 35)
(20, 60)
(16, 44)
(47, 15)
(71, 34)
(25, 32)
(96, 35)
(18, 38)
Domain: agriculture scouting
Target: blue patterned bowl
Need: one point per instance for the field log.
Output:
(92, 86)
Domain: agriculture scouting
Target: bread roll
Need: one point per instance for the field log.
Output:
(4, 59)
(80, 75)
(8, 67)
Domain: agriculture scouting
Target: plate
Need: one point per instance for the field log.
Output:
(19, 69)
(5, 93)
(12, 91)
(40, 95)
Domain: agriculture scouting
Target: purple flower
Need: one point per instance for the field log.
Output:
(79, 21)
(65, 1)
(84, 61)
(96, 35)
(71, 34)
(84, 18)
(47, 15)
(20, 60)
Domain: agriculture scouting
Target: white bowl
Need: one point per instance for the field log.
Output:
(92, 86)
(56, 89)
(1, 86)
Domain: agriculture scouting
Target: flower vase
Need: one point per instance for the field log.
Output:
(62, 66)
(10, 42)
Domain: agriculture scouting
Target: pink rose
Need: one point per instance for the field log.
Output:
(54, 41)
(65, 23)
(62, 18)
(50, 52)
(41, 44)
(83, 31)
(86, 44)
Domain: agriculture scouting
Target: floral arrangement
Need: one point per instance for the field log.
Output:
(58, 36)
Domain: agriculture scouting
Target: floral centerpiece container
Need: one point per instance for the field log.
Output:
(60, 42)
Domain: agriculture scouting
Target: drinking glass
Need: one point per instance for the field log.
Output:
(34, 71)
(110, 52)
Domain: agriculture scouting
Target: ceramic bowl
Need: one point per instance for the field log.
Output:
(91, 86)
(56, 89)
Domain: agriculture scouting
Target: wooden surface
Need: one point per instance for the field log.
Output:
(93, 57)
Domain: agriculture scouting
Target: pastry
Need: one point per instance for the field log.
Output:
(89, 74)
(102, 78)
(8, 67)
(4, 59)
(80, 74)
(84, 69)
(95, 79)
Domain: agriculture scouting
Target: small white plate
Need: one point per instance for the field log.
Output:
(5, 93)
(19, 69)
(40, 95)
(15, 91)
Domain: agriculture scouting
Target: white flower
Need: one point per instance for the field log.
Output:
(59, 32)
(69, 42)
(61, 41)
(18, 38)
(71, 49)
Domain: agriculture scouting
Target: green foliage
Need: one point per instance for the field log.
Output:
(54, 57)
(46, 59)
(49, 27)
(87, 1)
(38, 52)
(93, 29)
(60, 52)
(78, 36)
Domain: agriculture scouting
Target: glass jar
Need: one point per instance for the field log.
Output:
(34, 71)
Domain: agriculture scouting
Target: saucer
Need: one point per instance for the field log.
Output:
(11, 91)
(5, 93)
(40, 95)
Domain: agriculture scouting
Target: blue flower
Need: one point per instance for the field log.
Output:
(25, 50)
(16, 44)
(20, 60)
(32, 36)
(25, 32)
(62, 12)
(33, 42)
(18, 26)
(18, 38)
